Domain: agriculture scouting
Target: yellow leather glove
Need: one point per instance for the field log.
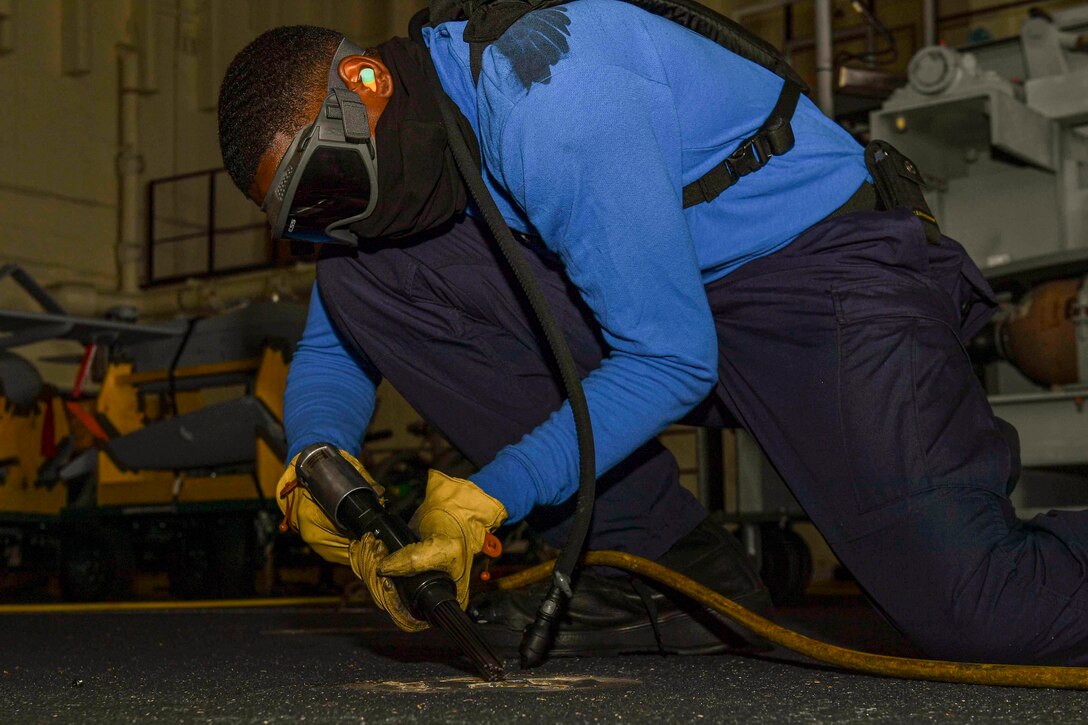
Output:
(452, 522)
(366, 555)
(302, 514)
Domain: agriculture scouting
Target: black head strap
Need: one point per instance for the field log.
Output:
(343, 50)
(352, 110)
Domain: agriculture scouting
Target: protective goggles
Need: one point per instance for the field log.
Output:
(328, 178)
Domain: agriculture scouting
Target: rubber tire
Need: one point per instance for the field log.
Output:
(97, 564)
(786, 567)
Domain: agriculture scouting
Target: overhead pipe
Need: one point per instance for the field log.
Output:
(741, 13)
(130, 163)
(975, 13)
(929, 22)
(825, 70)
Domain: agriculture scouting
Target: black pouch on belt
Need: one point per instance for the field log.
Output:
(899, 185)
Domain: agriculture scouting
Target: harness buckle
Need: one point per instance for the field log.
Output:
(750, 156)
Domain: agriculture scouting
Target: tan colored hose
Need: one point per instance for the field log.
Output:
(1070, 678)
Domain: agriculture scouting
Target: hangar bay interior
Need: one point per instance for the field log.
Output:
(148, 321)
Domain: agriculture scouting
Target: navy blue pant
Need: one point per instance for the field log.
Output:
(842, 354)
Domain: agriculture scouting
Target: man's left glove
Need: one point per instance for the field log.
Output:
(453, 521)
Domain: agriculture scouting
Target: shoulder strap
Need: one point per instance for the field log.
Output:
(468, 163)
(774, 138)
(725, 32)
(489, 19)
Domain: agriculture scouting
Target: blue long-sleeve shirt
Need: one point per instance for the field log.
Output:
(330, 390)
(591, 118)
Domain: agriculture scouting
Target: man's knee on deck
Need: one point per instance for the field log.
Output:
(965, 579)
(1023, 600)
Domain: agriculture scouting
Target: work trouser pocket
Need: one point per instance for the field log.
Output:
(914, 416)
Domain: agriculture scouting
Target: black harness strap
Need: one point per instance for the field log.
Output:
(774, 138)
(466, 155)
(727, 33)
(487, 21)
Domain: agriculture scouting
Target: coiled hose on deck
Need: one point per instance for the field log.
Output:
(1068, 678)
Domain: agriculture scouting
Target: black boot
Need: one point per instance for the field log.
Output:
(611, 615)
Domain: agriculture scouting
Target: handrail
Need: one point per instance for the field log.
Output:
(207, 229)
(197, 371)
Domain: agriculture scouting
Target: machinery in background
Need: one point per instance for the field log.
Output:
(1000, 131)
(172, 465)
(1044, 335)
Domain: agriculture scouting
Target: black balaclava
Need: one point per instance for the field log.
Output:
(418, 184)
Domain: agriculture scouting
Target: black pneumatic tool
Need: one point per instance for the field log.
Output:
(353, 505)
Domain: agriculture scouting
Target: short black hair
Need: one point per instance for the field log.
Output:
(266, 89)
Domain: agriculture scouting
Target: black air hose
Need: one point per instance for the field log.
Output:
(540, 634)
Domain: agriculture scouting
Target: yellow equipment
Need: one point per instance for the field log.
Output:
(127, 410)
(26, 436)
(172, 466)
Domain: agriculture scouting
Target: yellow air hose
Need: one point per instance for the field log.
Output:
(1069, 678)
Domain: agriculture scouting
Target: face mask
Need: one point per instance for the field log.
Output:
(327, 180)
(330, 187)
(420, 188)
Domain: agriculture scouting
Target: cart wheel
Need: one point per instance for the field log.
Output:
(787, 564)
(97, 563)
(214, 559)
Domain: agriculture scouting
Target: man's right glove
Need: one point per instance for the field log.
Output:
(302, 514)
(366, 556)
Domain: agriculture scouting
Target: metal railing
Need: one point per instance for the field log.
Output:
(194, 227)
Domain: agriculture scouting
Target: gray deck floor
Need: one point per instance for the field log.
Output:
(332, 666)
